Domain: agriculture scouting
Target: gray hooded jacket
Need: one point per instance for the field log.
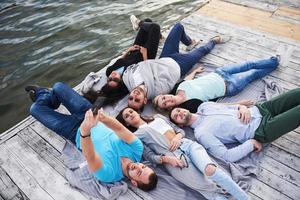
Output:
(158, 75)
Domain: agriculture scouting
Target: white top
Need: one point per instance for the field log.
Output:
(159, 125)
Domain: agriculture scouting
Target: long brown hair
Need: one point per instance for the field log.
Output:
(131, 128)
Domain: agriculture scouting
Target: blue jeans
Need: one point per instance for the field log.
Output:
(201, 159)
(63, 124)
(238, 76)
(188, 60)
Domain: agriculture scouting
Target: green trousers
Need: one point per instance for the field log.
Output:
(280, 116)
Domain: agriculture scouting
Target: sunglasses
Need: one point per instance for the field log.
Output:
(183, 159)
(131, 98)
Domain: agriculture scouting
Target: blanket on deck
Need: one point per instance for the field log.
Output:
(169, 188)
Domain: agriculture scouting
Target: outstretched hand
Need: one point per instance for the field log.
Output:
(89, 122)
(101, 116)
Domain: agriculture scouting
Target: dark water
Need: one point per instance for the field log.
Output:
(42, 42)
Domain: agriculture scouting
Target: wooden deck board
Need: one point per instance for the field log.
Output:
(32, 174)
(8, 189)
(31, 151)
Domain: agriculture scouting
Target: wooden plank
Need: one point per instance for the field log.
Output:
(291, 13)
(8, 189)
(284, 157)
(288, 146)
(15, 129)
(52, 138)
(255, 4)
(263, 191)
(278, 184)
(39, 180)
(281, 170)
(43, 149)
(274, 26)
(243, 33)
(253, 196)
(293, 137)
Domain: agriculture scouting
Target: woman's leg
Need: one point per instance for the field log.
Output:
(188, 60)
(176, 35)
(148, 37)
(239, 76)
(259, 64)
(195, 180)
(203, 162)
(283, 116)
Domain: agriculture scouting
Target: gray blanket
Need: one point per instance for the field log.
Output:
(168, 187)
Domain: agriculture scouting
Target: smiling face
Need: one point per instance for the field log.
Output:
(137, 98)
(167, 101)
(131, 117)
(114, 79)
(139, 172)
(180, 116)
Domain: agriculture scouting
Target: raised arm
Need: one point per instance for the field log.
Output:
(121, 131)
(93, 159)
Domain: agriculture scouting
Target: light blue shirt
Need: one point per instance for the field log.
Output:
(218, 124)
(204, 88)
(111, 148)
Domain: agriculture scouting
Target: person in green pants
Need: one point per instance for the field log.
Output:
(280, 116)
(217, 124)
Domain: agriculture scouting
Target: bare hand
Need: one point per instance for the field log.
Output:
(199, 69)
(89, 122)
(175, 143)
(257, 145)
(173, 161)
(143, 50)
(246, 102)
(133, 48)
(101, 116)
(244, 114)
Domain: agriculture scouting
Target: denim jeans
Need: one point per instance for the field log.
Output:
(47, 101)
(238, 76)
(188, 60)
(201, 159)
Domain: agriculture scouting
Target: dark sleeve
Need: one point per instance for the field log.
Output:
(191, 105)
(173, 91)
(133, 57)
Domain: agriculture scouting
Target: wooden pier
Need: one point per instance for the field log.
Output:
(30, 155)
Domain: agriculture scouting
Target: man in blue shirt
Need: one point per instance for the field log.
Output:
(109, 148)
(217, 124)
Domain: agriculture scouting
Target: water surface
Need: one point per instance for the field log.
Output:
(42, 42)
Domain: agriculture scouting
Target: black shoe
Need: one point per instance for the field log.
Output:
(32, 89)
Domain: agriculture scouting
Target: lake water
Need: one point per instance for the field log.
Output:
(42, 42)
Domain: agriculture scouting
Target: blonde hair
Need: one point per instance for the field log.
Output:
(156, 106)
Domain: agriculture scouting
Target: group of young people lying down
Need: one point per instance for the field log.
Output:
(113, 147)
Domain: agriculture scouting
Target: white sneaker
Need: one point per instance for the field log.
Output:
(135, 22)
